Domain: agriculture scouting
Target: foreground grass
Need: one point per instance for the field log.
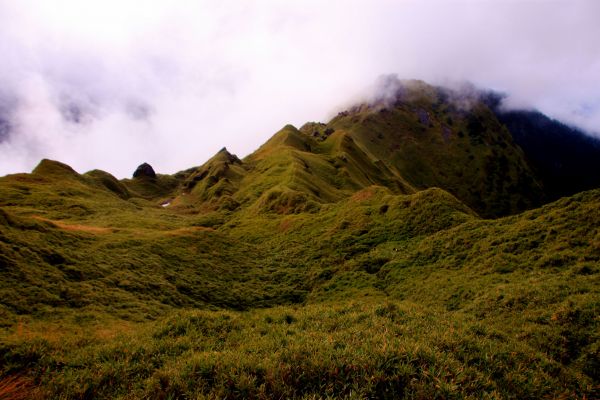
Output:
(355, 349)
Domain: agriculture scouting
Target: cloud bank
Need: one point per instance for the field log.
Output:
(111, 84)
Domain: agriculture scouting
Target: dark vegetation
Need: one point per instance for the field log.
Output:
(566, 159)
(354, 259)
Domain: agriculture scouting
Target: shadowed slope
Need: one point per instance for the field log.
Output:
(564, 158)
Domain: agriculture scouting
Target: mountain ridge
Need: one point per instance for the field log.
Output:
(410, 137)
(348, 258)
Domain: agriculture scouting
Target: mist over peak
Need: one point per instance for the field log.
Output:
(115, 83)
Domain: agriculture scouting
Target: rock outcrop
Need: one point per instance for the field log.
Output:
(144, 171)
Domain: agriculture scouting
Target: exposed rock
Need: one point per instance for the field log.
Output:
(144, 171)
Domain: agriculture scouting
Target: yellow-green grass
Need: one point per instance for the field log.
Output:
(341, 260)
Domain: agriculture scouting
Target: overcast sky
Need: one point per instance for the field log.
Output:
(110, 84)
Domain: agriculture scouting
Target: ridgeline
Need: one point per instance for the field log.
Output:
(422, 245)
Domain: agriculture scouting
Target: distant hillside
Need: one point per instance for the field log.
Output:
(431, 139)
(417, 137)
(421, 139)
(566, 159)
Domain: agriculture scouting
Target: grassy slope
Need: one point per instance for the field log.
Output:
(85, 248)
(432, 142)
(424, 139)
(395, 295)
(293, 172)
(309, 269)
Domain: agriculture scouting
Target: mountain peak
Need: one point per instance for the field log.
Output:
(51, 167)
(227, 157)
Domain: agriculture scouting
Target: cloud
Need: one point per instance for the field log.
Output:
(110, 84)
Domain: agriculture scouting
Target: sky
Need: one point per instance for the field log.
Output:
(113, 83)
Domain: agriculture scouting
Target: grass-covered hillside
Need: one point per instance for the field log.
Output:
(353, 259)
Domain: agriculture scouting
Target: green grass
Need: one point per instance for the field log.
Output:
(322, 266)
(352, 349)
(429, 142)
(395, 295)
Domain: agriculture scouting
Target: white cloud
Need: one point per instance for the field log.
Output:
(172, 82)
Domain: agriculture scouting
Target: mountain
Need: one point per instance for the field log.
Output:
(563, 157)
(413, 246)
(422, 140)
(417, 137)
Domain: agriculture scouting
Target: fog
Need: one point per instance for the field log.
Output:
(114, 83)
